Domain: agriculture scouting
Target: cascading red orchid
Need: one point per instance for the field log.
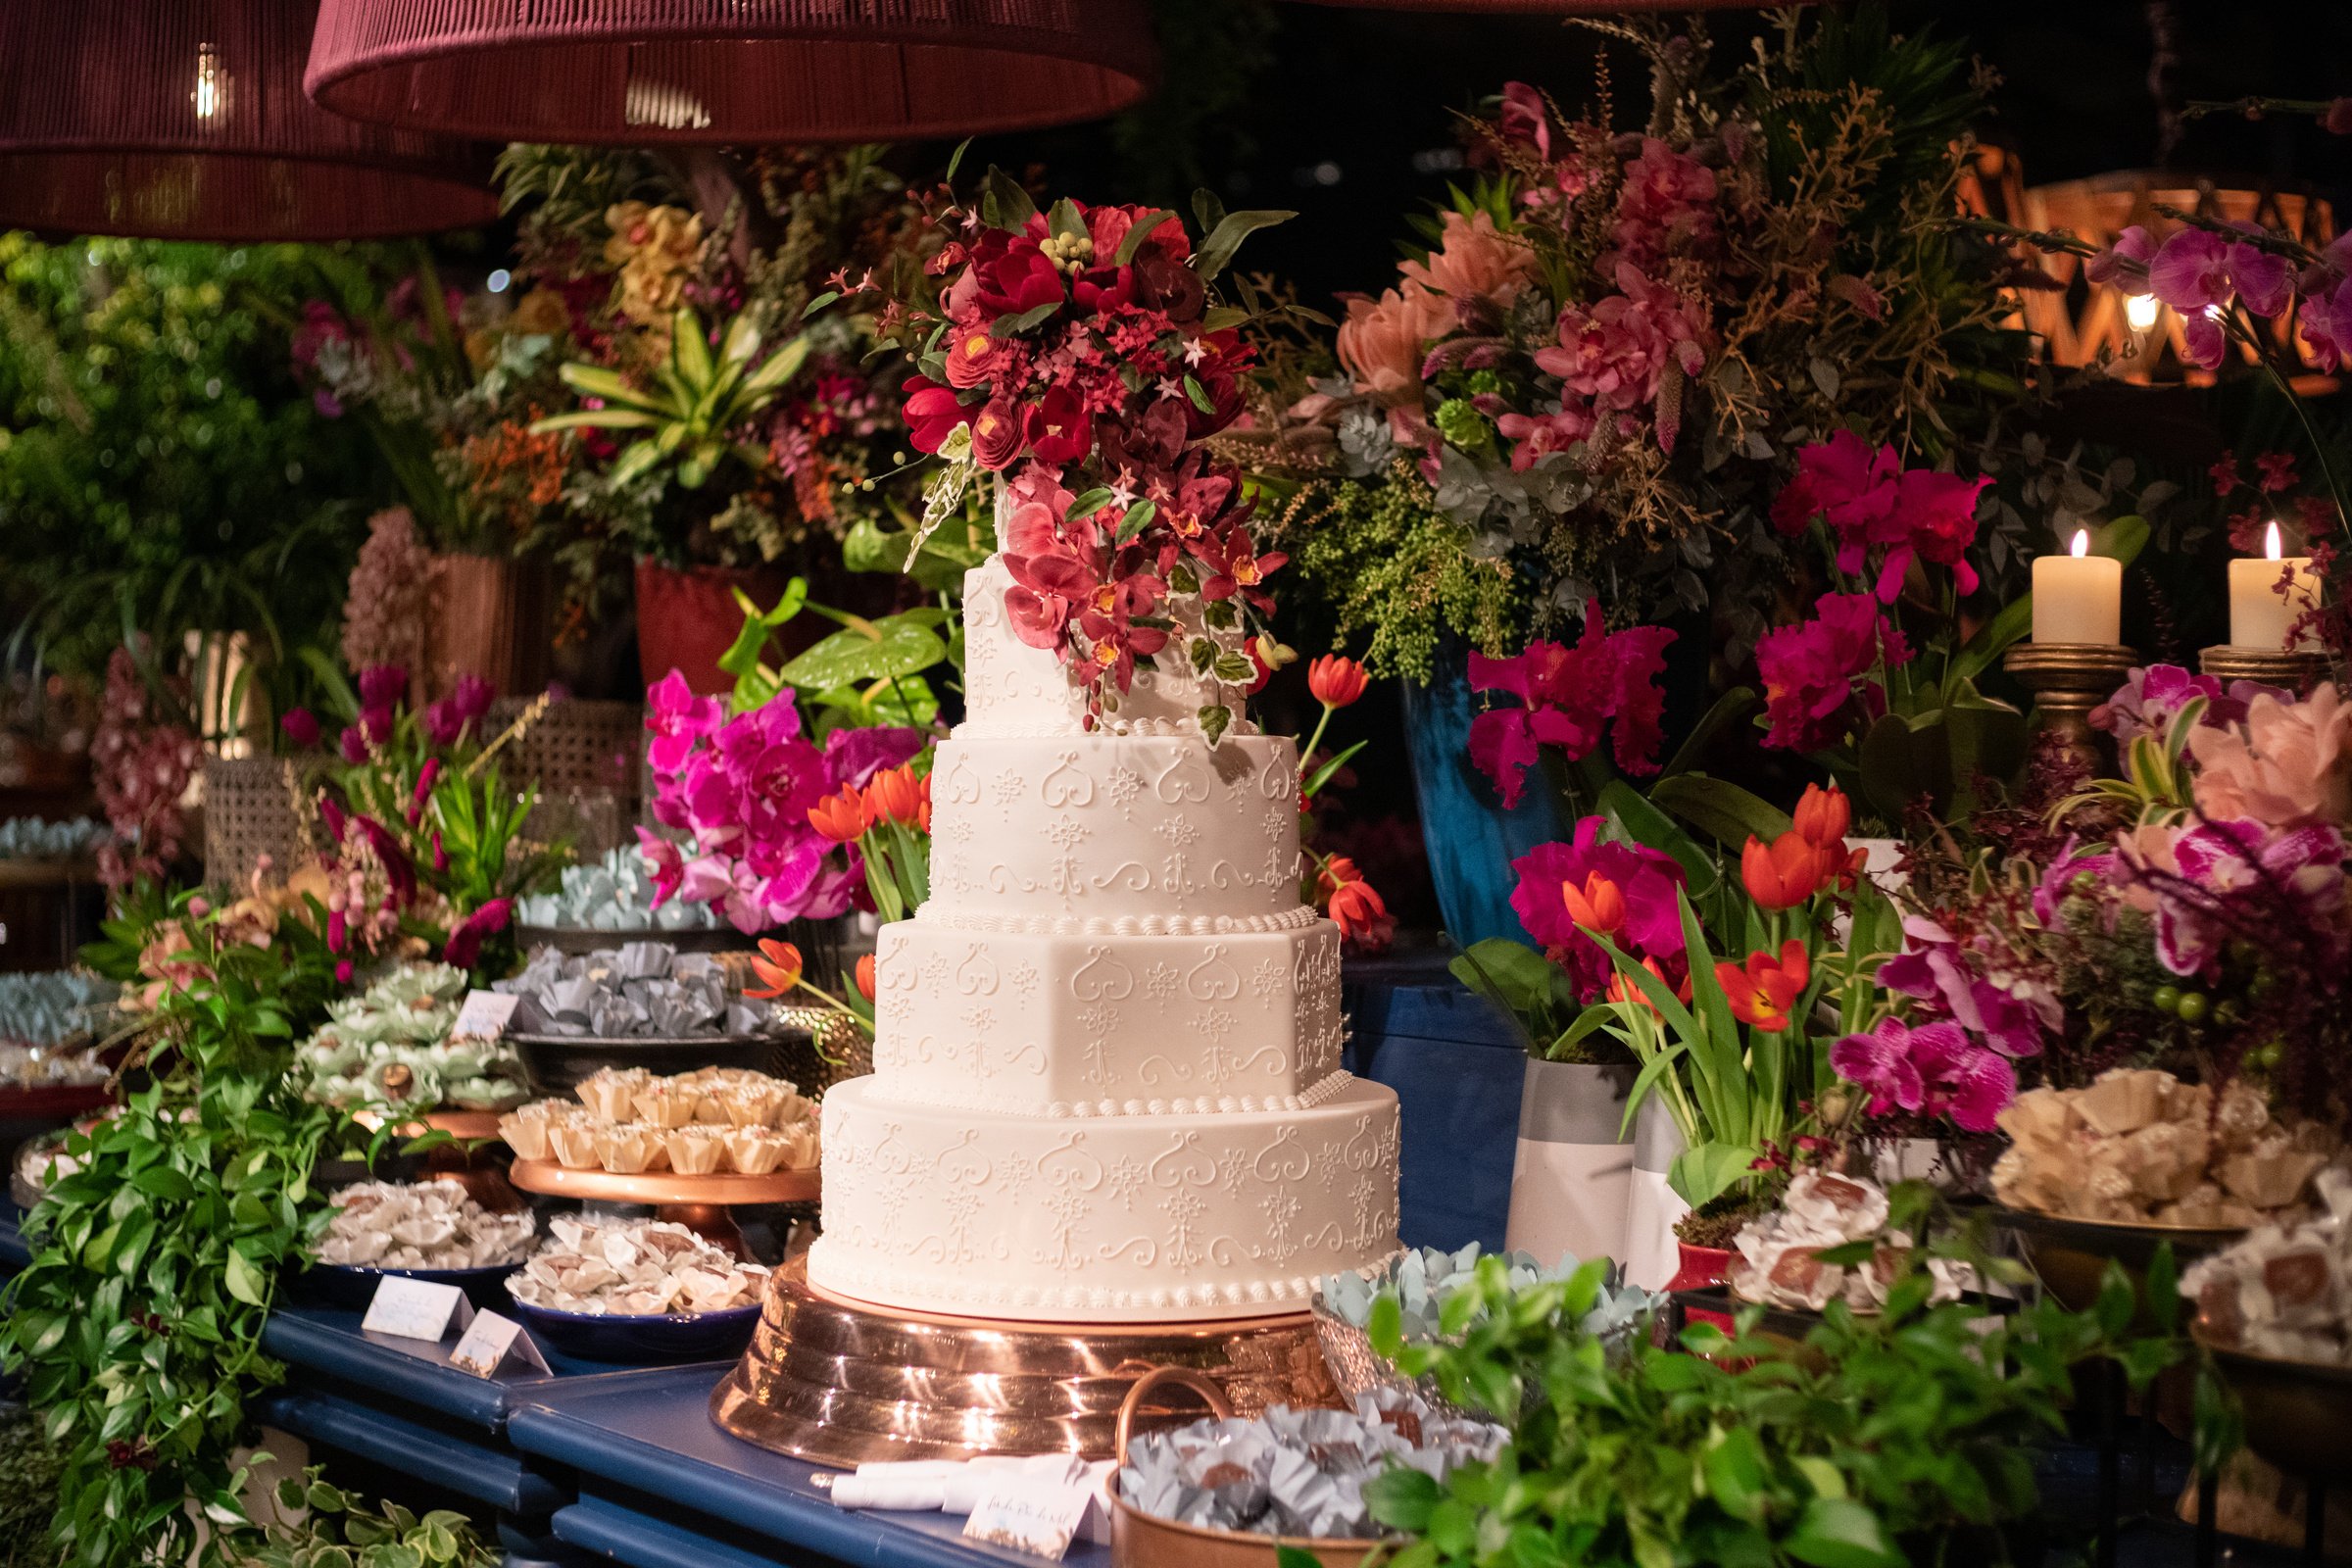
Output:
(1572, 698)
(1874, 507)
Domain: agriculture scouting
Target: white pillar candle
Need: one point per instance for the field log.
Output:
(2077, 598)
(2260, 616)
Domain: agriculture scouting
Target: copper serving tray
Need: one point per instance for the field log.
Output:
(663, 1186)
(840, 1382)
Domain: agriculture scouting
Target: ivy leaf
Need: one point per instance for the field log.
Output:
(1841, 1533)
(244, 1281)
(1213, 721)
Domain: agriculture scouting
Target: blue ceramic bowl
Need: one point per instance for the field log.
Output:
(643, 1338)
(347, 1285)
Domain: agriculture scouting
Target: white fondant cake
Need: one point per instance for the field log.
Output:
(1106, 1079)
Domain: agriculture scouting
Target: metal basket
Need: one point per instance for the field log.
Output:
(1356, 1368)
(252, 808)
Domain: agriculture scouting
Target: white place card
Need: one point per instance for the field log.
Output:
(484, 1015)
(1035, 1514)
(493, 1340)
(417, 1309)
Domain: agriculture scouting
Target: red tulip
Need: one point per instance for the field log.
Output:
(779, 966)
(892, 796)
(1823, 816)
(1335, 680)
(1762, 992)
(1786, 875)
(1362, 916)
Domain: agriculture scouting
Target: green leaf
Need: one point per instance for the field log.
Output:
(1734, 1468)
(1138, 518)
(2014, 619)
(849, 657)
(1402, 1498)
(1140, 230)
(1217, 249)
(1841, 1533)
(1089, 502)
(820, 303)
(164, 1182)
(1385, 1327)
(1015, 325)
(1719, 809)
(1704, 1172)
(244, 1281)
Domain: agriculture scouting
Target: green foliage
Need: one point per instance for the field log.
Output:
(1878, 1440)
(136, 1329)
(160, 469)
(1389, 563)
(29, 1464)
(871, 673)
(321, 1525)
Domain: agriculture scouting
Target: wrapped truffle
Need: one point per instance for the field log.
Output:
(633, 1268)
(1777, 1259)
(2285, 1291)
(421, 1225)
(630, 1148)
(695, 1150)
(611, 1093)
(573, 1144)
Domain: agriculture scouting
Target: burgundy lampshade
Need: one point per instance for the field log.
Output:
(640, 71)
(187, 119)
(1547, 8)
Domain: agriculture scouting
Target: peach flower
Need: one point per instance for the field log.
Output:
(1474, 260)
(1380, 342)
(2290, 765)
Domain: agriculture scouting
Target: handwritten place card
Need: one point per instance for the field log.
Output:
(491, 1343)
(484, 1015)
(417, 1309)
(1033, 1513)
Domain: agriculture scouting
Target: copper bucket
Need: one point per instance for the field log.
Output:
(1139, 1540)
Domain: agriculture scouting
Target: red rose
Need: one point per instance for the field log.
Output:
(996, 435)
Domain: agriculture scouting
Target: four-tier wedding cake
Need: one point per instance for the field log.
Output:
(1106, 1079)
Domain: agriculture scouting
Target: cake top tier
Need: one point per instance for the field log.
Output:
(1012, 689)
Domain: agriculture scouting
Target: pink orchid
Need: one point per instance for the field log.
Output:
(1932, 1070)
(2153, 696)
(1811, 670)
(1539, 435)
(2124, 265)
(2215, 864)
(2326, 321)
(677, 718)
(1571, 696)
(2191, 271)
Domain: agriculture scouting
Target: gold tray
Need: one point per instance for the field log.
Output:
(546, 1177)
(839, 1381)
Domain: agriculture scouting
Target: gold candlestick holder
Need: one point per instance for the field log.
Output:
(2297, 671)
(2068, 680)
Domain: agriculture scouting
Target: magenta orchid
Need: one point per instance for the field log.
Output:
(740, 790)
(1933, 1071)
(1628, 892)
(1813, 670)
(2195, 873)
(2009, 1014)
(1572, 697)
(1872, 505)
(2153, 696)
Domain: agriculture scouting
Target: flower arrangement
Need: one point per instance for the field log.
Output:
(143, 763)
(1076, 353)
(742, 789)
(1598, 369)
(422, 838)
(2187, 916)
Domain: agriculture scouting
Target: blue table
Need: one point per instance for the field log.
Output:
(659, 1485)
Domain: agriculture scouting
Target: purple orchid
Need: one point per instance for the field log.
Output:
(679, 718)
(2011, 1015)
(1933, 1070)
(2215, 864)
(2153, 696)
(2058, 882)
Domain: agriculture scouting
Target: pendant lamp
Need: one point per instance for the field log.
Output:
(1547, 8)
(645, 72)
(187, 119)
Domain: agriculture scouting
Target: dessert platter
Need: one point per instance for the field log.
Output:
(1107, 1121)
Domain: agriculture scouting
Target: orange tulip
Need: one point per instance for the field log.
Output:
(779, 966)
(1823, 816)
(892, 797)
(923, 805)
(1598, 906)
(840, 817)
(1624, 989)
(1336, 873)
(1336, 680)
(1761, 993)
(866, 977)
(1362, 915)
(1786, 875)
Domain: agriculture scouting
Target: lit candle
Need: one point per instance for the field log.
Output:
(2077, 598)
(2260, 616)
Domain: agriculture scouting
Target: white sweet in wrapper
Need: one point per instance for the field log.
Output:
(1777, 1258)
(2140, 1146)
(633, 1268)
(435, 1225)
(1296, 1472)
(2286, 1290)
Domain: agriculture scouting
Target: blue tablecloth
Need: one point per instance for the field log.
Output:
(1456, 1063)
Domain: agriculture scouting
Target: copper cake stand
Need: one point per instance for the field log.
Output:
(698, 1202)
(838, 1382)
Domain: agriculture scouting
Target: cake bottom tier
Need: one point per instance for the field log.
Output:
(1123, 1219)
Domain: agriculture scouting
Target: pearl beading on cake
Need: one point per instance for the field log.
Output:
(1120, 925)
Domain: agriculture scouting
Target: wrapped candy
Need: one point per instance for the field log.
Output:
(2286, 1290)
(660, 1104)
(640, 990)
(757, 1151)
(628, 1149)
(633, 1268)
(421, 1225)
(614, 893)
(524, 1128)
(573, 1144)
(2138, 1146)
(1297, 1473)
(1778, 1258)
(631, 1122)
(391, 1045)
(695, 1150)
(611, 1093)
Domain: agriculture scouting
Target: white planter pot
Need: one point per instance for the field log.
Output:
(1573, 1173)
(1653, 1210)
